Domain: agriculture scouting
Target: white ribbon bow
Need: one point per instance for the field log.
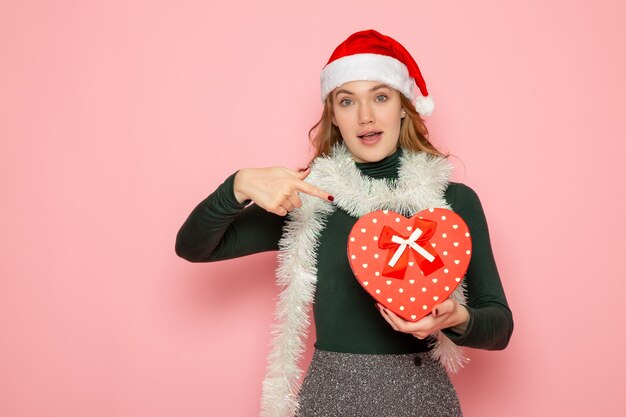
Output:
(409, 242)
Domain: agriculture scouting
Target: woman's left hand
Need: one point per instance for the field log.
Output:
(448, 314)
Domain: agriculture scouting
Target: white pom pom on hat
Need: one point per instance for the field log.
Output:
(371, 56)
(425, 105)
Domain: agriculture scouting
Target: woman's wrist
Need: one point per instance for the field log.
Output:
(462, 319)
(240, 178)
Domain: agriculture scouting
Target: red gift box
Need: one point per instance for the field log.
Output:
(410, 265)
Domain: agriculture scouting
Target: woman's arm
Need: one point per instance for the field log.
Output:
(486, 321)
(221, 227)
(490, 322)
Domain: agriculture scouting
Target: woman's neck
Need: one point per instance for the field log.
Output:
(385, 168)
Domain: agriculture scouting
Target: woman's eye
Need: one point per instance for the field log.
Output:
(381, 98)
(345, 102)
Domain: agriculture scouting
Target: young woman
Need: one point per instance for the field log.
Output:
(372, 153)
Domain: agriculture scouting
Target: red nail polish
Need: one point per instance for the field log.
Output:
(331, 198)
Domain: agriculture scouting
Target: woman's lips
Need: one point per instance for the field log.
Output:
(370, 138)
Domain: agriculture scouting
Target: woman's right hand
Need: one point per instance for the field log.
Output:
(275, 189)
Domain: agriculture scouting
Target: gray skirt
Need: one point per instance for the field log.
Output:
(360, 385)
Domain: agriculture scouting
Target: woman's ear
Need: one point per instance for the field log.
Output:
(402, 114)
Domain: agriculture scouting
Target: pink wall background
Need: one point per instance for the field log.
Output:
(117, 117)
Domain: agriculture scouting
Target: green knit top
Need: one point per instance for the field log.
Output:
(346, 319)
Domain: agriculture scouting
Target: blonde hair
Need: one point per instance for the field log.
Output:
(413, 132)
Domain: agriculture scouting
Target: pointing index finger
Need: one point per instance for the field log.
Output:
(314, 191)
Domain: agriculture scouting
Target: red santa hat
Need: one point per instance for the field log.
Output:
(372, 56)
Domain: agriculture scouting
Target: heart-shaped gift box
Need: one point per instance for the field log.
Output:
(410, 264)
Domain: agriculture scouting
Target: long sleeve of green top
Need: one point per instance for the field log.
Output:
(346, 319)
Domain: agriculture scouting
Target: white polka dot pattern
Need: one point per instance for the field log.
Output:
(413, 295)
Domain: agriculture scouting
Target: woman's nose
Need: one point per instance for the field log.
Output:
(366, 115)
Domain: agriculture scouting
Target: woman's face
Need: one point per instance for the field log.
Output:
(368, 115)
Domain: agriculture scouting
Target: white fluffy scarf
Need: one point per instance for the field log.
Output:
(421, 184)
